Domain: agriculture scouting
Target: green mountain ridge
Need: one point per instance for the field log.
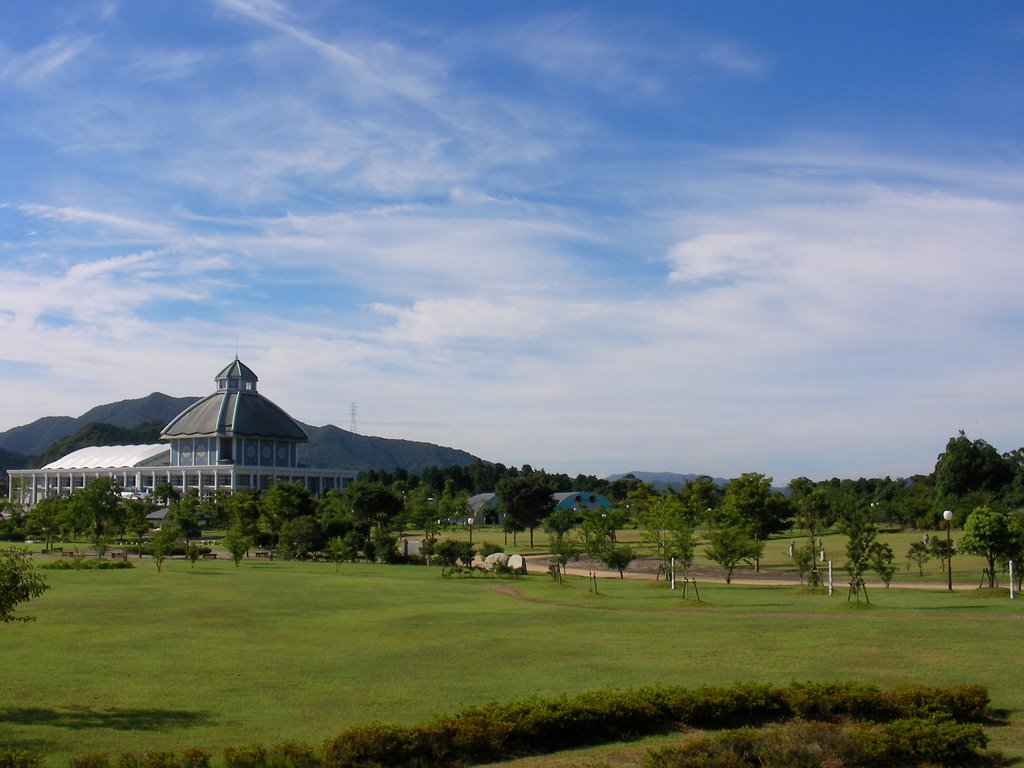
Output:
(115, 423)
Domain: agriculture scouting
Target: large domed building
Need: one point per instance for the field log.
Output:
(230, 440)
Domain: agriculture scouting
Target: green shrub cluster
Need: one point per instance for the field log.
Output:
(849, 723)
(187, 758)
(802, 744)
(20, 758)
(499, 731)
(87, 564)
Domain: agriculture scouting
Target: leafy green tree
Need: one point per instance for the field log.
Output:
(939, 547)
(285, 501)
(382, 546)
(883, 562)
(618, 557)
(702, 497)
(47, 517)
(597, 534)
(95, 510)
(860, 545)
(968, 466)
(805, 562)
(135, 522)
(731, 545)
(993, 535)
(668, 529)
(751, 504)
(813, 509)
(237, 545)
(339, 551)
(449, 552)
(19, 583)
(299, 537)
(526, 500)
(919, 554)
(372, 505)
(163, 543)
(422, 512)
(243, 512)
(166, 494)
(215, 510)
(186, 516)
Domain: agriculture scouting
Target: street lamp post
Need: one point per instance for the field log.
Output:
(469, 522)
(948, 517)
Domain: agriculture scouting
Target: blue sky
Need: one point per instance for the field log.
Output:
(593, 237)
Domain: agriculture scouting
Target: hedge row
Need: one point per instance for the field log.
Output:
(829, 745)
(497, 731)
(86, 564)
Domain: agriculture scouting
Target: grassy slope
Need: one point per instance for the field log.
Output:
(272, 651)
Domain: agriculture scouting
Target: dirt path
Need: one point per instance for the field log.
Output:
(647, 568)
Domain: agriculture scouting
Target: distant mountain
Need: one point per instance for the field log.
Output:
(333, 447)
(35, 438)
(102, 433)
(133, 421)
(662, 480)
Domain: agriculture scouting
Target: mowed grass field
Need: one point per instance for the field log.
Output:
(215, 655)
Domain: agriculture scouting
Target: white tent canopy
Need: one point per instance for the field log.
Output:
(114, 456)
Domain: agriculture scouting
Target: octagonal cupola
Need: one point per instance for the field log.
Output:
(237, 377)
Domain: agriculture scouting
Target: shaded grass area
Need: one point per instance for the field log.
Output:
(214, 656)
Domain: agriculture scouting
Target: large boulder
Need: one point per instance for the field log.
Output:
(496, 560)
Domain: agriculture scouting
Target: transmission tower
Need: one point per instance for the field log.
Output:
(352, 419)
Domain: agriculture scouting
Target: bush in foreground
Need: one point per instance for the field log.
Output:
(812, 725)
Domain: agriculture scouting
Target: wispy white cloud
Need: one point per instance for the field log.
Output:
(34, 67)
(457, 228)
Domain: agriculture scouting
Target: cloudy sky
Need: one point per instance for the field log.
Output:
(783, 237)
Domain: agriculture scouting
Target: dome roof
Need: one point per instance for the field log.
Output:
(236, 409)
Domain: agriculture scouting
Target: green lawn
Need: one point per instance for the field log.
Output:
(215, 655)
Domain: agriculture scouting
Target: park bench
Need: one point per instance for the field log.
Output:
(210, 556)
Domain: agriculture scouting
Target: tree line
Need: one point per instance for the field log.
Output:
(734, 520)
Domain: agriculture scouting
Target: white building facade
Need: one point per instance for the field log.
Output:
(233, 439)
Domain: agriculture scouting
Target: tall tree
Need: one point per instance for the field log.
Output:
(668, 529)
(993, 535)
(95, 509)
(525, 499)
(47, 516)
(968, 466)
(751, 505)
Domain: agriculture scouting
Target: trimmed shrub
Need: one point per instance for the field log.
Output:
(940, 741)
(86, 564)
(829, 701)
(20, 758)
(160, 759)
(382, 744)
(742, 703)
(192, 757)
(89, 761)
(802, 744)
(291, 754)
(960, 702)
(250, 756)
